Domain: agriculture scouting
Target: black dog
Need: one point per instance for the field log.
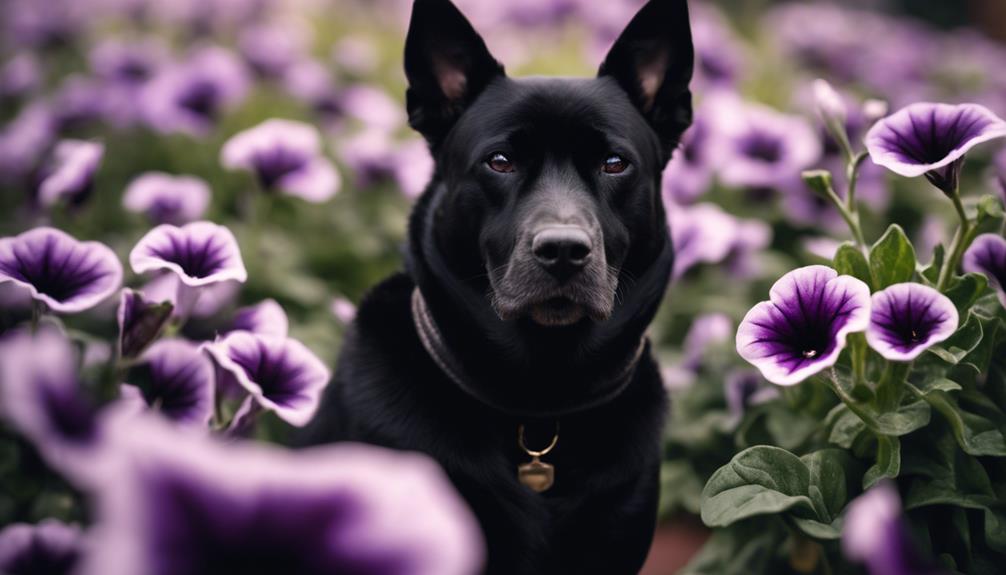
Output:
(537, 257)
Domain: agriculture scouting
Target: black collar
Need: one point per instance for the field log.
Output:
(439, 351)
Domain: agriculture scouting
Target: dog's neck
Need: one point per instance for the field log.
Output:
(518, 367)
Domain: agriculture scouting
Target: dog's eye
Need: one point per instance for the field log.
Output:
(614, 164)
(499, 162)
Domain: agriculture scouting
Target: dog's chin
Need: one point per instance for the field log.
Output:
(556, 312)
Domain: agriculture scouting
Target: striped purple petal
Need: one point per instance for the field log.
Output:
(931, 139)
(987, 255)
(70, 176)
(875, 533)
(200, 253)
(803, 327)
(280, 374)
(908, 318)
(175, 378)
(67, 275)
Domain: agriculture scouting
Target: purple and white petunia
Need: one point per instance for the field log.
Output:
(69, 176)
(280, 374)
(200, 254)
(908, 318)
(702, 233)
(875, 533)
(175, 378)
(273, 48)
(932, 139)
(987, 255)
(191, 96)
(177, 505)
(140, 321)
(284, 155)
(66, 275)
(41, 397)
(706, 331)
(802, 329)
(266, 317)
(212, 298)
(167, 199)
(50, 547)
(758, 147)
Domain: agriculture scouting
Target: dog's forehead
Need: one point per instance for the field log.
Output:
(541, 101)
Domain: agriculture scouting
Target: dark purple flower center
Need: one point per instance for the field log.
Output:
(273, 164)
(929, 141)
(69, 414)
(201, 98)
(165, 208)
(198, 530)
(197, 260)
(173, 390)
(804, 330)
(133, 70)
(60, 273)
(280, 379)
(762, 147)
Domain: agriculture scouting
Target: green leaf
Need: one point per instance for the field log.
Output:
(845, 426)
(989, 207)
(892, 258)
(760, 480)
(906, 419)
(931, 273)
(961, 343)
(742, 549)
(849, 260)
(888, 463)
(966, 290)
(764, 480)
(975, 432)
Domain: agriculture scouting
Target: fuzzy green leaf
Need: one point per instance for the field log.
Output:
(849, 260)
(892, 258)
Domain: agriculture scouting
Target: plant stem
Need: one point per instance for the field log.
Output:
(892, 384)
(851, 217)
(849, 401)
(962, 239)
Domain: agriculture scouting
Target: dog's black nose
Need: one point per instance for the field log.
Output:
(561, 250)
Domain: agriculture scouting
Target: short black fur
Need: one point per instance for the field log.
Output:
(469, 254)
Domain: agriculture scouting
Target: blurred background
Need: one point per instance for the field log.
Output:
(163, 84)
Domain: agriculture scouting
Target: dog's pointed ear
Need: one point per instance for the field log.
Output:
(652, 61)
(447, 65)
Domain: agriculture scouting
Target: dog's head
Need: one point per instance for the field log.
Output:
(549, 188)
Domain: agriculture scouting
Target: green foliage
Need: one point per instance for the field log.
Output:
(892, 259)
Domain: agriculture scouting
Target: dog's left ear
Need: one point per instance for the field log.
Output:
(447, 65)
(652, 61)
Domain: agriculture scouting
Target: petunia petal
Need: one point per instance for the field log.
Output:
(266, 317)
(167, 199)
(67, 275)
(199, 253)
(987, 255)
(175, 378)
(908, 318)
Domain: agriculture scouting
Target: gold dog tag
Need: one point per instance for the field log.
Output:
(536, 474)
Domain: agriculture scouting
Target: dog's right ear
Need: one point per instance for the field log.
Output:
(447, 65)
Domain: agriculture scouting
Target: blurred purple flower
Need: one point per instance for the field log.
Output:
(803, 328)
(70, 176)
(689, 174)
(140, 322)
(708, 330)
(284, 155)
(66, 275)
(413, 167)
(751, 237)
(48, 548)
(702, 233)
(272, 48)
(987, 255)
(177, 507)
(356, 54)
(875, 533)
(280, 374)
(20, 75)
(24, 140)
(369, 155)
(167, 199)
(42, 399)
(931, 140)
(822, 247)
(743, 389)
(999, 168)
(311, 82)
(80, 102)
(343, 310)
(759, 147)
(719, 54)
(199, 254)
(128, 62)
(175, 378)
(908, 318)
(266, 317)
(190, 96)
(372, 107)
